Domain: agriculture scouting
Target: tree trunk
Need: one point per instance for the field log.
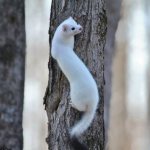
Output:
(12, 64)
(89, 46)
(147, 15)
(113, 15)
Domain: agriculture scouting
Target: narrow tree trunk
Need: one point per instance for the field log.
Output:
(12, 63)
(147, 15)
(90, 48)
(113, 15)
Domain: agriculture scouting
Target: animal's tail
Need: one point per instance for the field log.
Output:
(77, 145)
(79, 128)
(83, 124)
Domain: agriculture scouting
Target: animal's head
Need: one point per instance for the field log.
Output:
(70, 27)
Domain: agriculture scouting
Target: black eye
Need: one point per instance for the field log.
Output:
(72, 28)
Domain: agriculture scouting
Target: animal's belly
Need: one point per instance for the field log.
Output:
(79, 92)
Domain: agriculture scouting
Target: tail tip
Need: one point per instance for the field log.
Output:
(76, 144)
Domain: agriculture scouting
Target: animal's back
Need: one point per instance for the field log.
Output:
(74, 68)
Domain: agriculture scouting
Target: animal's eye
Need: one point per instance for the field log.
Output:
(73, 28)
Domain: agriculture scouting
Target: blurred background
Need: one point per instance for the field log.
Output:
(129, 110)
(36, 77)
(129, 127)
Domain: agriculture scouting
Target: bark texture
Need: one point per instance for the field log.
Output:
(89, 46)
(12, 64)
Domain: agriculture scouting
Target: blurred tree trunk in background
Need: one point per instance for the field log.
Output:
(128, 114)
(147, 16)
(113, 16)
(117, 130)
(12, 65)
(89, 45)
(117, 136)
(147, 13)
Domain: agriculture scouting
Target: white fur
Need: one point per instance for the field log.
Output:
(84, 92)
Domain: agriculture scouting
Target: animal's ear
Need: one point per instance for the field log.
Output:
(70, 17)
(65, 27)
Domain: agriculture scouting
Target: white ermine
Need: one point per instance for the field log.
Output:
(84, 92)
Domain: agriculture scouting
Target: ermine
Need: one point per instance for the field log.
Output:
(83, 88)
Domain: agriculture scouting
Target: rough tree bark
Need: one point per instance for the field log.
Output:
(90, 48)
(12, 64)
